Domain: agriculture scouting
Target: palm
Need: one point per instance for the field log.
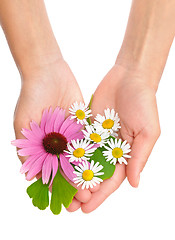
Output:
(136, 106)
(53, 86)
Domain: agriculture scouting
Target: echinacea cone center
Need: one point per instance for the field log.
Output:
(79, 152)
(80, 114)
(87, 175)
(108, 124)
(117, 152)
(55, 143)
(95, 137)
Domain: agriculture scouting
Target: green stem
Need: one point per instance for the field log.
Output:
(90, 103)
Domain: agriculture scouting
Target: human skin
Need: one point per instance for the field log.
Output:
(132, 83)
(45, 76)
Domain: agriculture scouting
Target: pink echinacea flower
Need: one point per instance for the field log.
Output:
(44, 144)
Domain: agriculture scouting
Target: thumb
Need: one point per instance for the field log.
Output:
(141, 148)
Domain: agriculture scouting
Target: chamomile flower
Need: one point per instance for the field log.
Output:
(117, 151)
(95, 136)
(87, 174)
(80, 112)
(80, 150)
(108, 123)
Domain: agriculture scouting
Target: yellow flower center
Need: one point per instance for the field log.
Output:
(88, 175)
(117, 152)
(80, 114)
(95, 137)
(108, 124)
(79, 152)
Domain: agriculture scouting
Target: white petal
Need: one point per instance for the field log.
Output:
(92, 164)
(112, 114)
(127, 156)
(79, 169)
(99, 173)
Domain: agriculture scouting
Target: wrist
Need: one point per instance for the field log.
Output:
(36, 61)
(148, 38)
(29, 34)
(137, 71)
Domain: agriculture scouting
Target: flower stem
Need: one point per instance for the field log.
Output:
(90, 103)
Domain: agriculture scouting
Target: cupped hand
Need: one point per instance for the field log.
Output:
(51, 85)
(130, 94)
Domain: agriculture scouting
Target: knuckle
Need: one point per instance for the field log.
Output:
(155, 133)
(158, 132)
(152, 133)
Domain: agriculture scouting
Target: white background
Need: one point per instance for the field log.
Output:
(90, 34)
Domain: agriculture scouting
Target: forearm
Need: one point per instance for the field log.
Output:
(148, 38)
(28, 32)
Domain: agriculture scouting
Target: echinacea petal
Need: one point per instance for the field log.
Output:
(72, 128)
(54, 167)
(48, 126)
(59, 120)
(51, 121)
(20, 143)
(55, 120)
(67, 167)
(66, 124)
(36, 129)
(44, 119)
(30, 151)
(30, 135)
(36, 167)
(28, 163)
(46, 169)
(24, 143)
(75, 136)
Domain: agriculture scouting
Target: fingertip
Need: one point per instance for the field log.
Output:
(90, 206)
(133, 172)
(107, 187)
(74, 206)
(84, 209)
(96, 200)
(95, 188)
(134, 180)
(83, 195)
(97, 197)
(137, 180)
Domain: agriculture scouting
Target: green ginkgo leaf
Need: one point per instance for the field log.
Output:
(62, 193)
(39, 193)
(108, 168)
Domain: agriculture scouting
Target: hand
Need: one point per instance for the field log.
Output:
(50, 85)
(134, 100)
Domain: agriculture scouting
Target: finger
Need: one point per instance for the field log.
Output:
(106, 188)
(95, 188)
(141, 148)
(74, 206)
(83, 195)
